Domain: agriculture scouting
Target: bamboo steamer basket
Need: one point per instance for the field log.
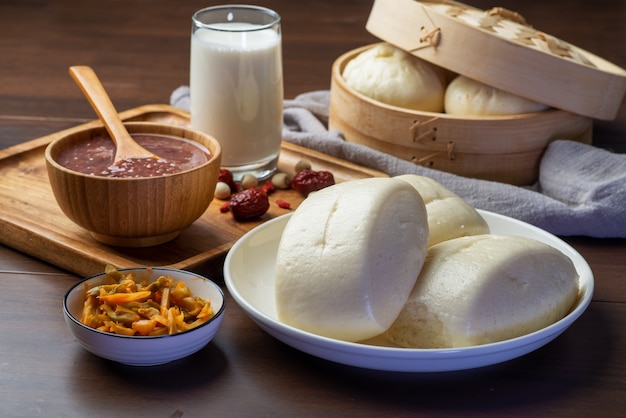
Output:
(504, 148)
(508, 148)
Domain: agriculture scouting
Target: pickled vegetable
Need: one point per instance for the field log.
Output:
(127, 307)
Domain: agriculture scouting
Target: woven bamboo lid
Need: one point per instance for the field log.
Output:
(498, 48)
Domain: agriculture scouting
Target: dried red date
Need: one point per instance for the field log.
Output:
(307, 181)
(249, 204)
(227, 177)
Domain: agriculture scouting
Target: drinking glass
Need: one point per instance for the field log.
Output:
(236, 85)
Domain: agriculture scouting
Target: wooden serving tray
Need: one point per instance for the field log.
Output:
(32, 222)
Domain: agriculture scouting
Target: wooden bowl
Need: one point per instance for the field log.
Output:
(134, 212)
(500, 148)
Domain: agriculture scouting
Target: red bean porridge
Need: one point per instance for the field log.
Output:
(95, 157)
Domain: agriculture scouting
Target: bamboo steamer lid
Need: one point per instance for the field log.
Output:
(498, 48)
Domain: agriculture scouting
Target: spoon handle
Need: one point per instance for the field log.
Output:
(92, 88)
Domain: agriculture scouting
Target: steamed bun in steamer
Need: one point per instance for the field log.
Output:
(349, 257)
(483, 289)
(393, 76)
(467, 97)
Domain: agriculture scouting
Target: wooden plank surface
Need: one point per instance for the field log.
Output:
(32, 222)
(142, 54)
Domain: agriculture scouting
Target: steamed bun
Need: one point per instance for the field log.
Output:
(467, 97)
(449, 215)
(395, 77)
(483, 289)
(349, 257)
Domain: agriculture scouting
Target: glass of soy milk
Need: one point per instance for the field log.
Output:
(236, 85)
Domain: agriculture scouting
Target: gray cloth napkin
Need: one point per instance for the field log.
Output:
(581, 188)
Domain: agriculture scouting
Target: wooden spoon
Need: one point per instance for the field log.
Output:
(126, 147)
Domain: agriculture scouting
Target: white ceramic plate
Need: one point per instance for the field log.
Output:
(249, 276)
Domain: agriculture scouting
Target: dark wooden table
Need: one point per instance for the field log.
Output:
(140, 49)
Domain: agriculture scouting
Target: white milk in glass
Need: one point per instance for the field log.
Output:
(237, 92)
